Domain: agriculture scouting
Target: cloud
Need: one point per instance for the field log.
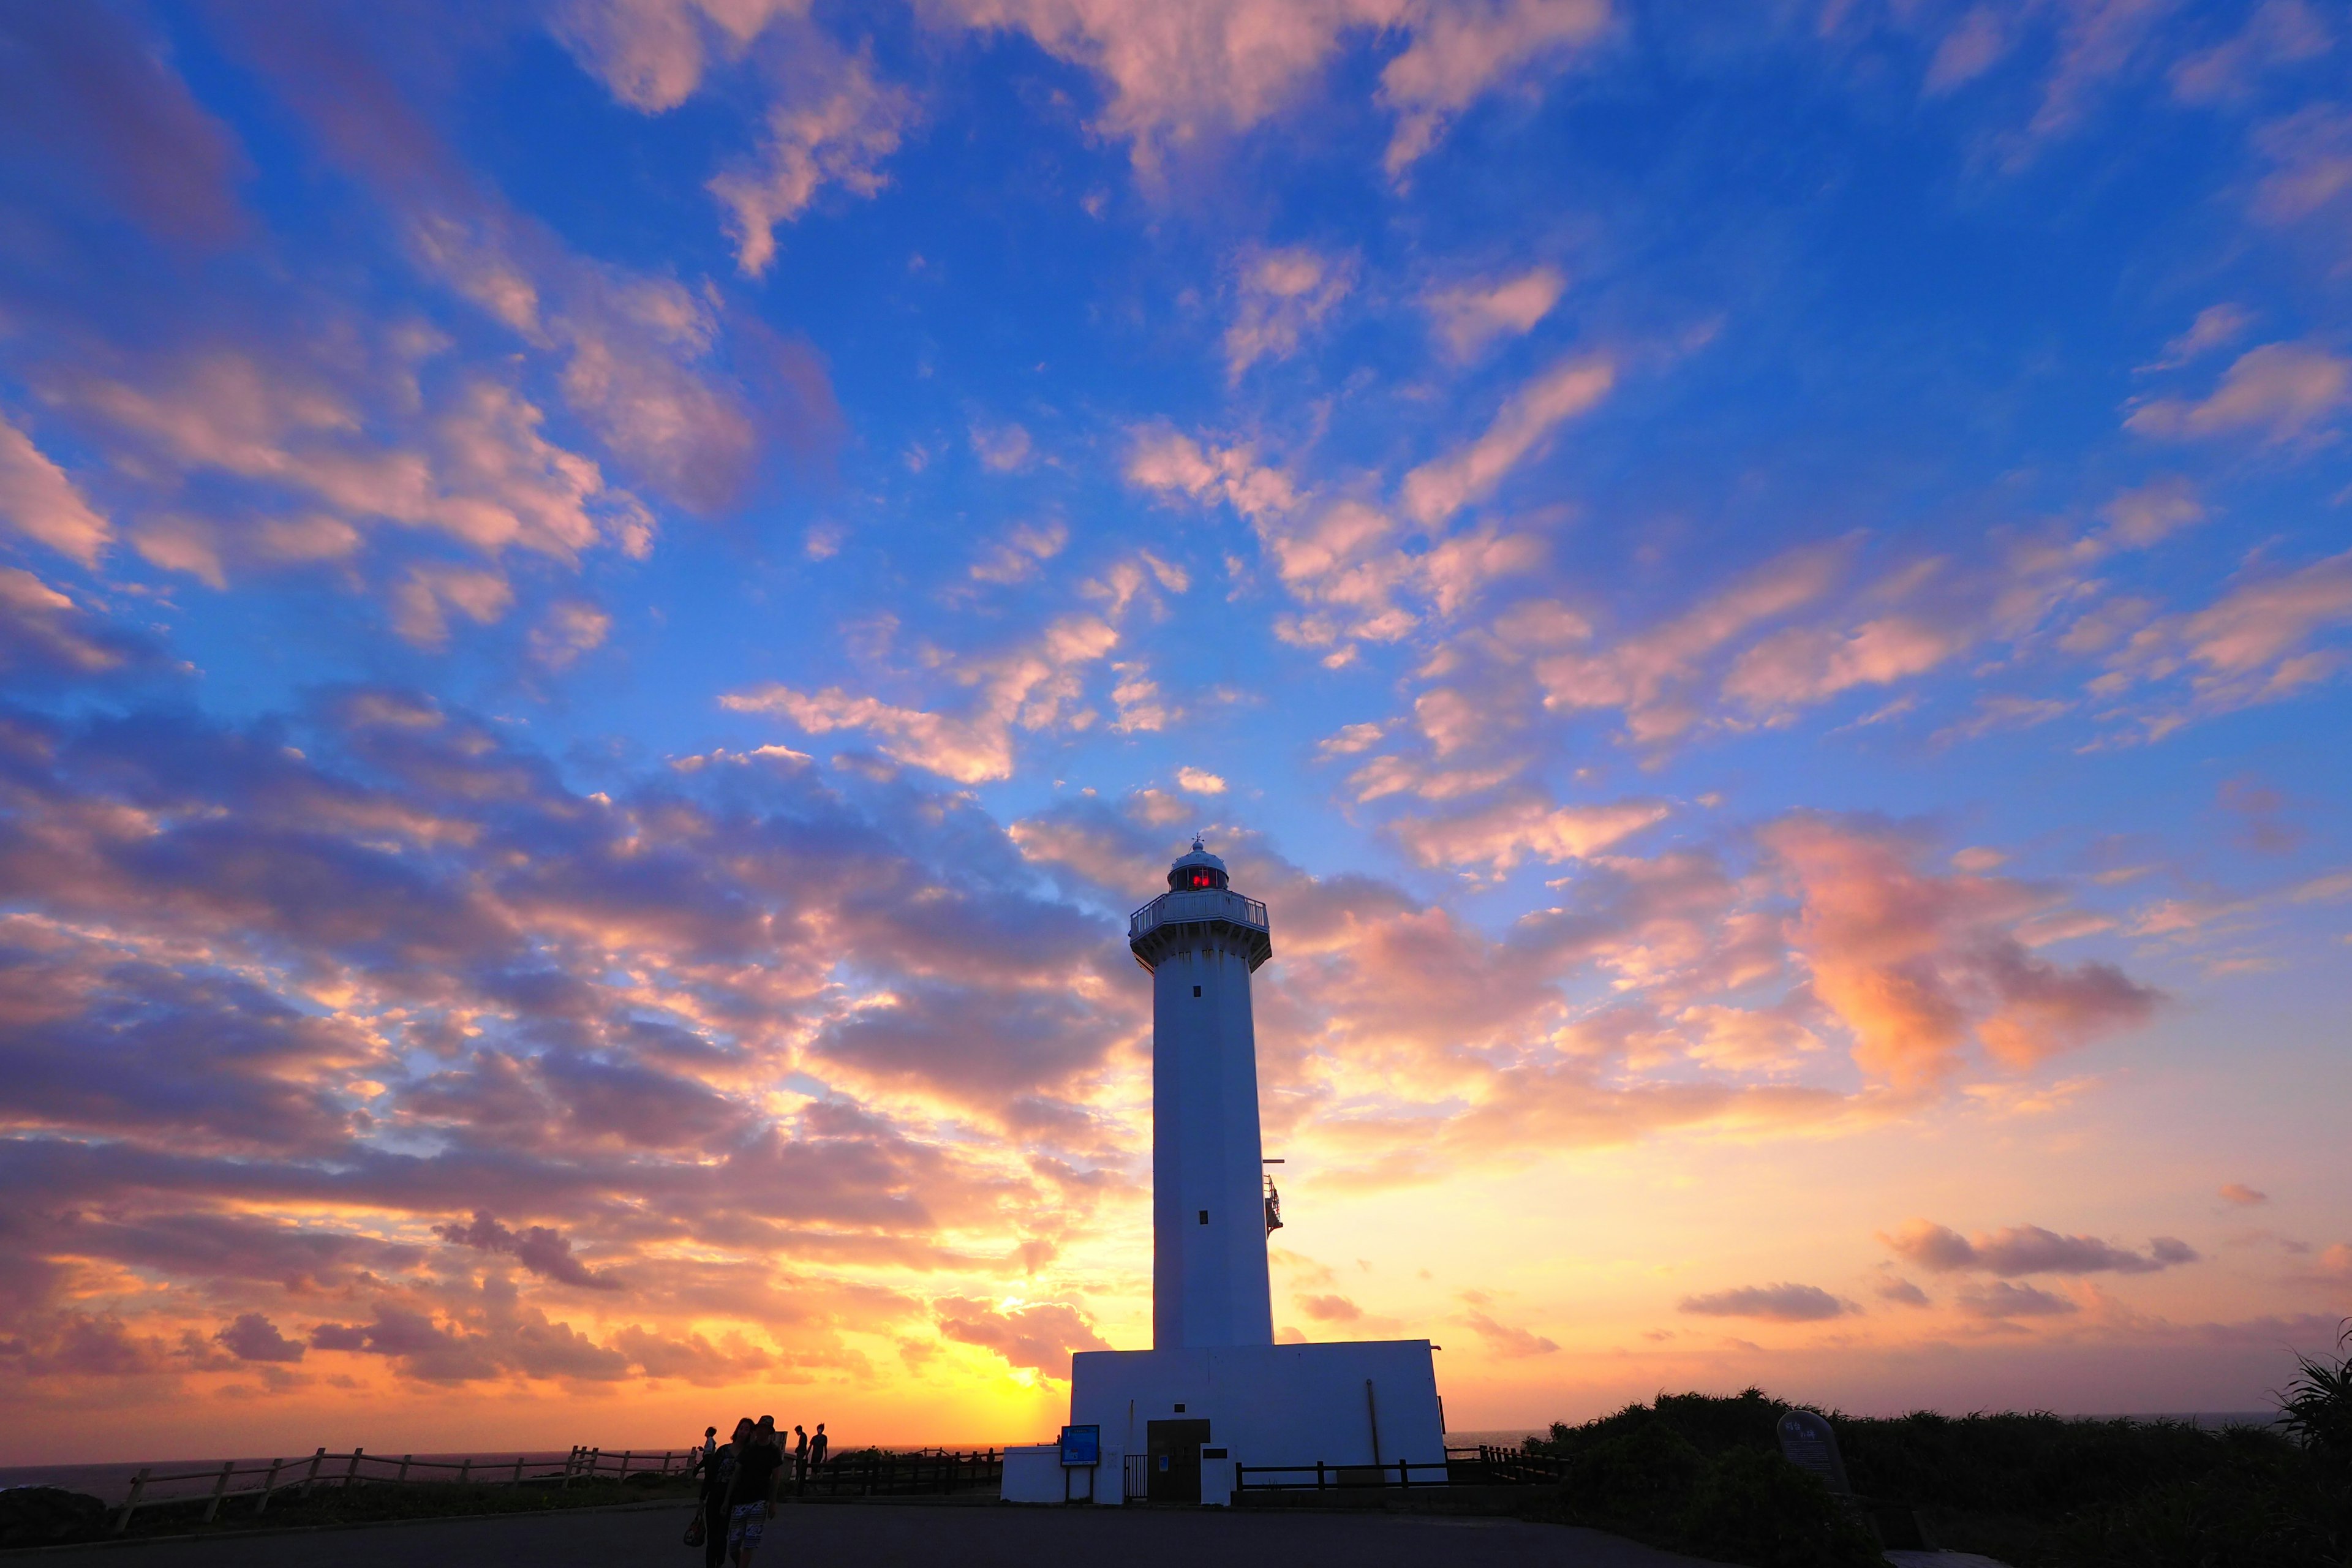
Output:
(1000, 449)
(1903, 1293)
(540, 1248)
(1197, 781)
(2153, 512)
(1917, 963)
(2028, 1249)
(1511, 1343)
(652, 54)
(45, 631)
(569, 628)
(1281, 296)
(39, 501)
(2250, 646)
(2001, 1299)
(1783, 1303)
(1467, 318)
(1030, 688)
(2279, 33)
(1462, 51)
(2242, 1196)
(1499, 836)
(254, 1338)
(2215, 326)
(1647, 673)
(1573, 385)
(2280, 391)
(1043, 1335)
(1016, 557)
(93, 96)
(1330, 1309)
(1178, 78)
(842, 140)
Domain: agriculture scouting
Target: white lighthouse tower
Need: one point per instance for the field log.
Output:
(1216, 1391)
(1201, 941)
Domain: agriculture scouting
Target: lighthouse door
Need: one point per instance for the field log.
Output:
(1175, 1448)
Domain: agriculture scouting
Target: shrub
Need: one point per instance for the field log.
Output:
(1759, 1509)
(1643, 1477)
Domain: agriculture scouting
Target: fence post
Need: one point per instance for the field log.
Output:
(212, 1509)
(353, 1474)
(138, 1485)
(626, 1455)
(465, 1468)
(266, 1488)
(404, 1467)
(1318, 1475)
(1404, 1475)
(518, 1480)
(316, 1460)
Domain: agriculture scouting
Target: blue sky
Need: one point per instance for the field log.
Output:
(601, 587)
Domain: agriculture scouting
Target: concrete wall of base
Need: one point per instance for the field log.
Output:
(1270, 1405)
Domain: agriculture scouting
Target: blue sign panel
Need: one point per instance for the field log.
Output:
(1081, 1446)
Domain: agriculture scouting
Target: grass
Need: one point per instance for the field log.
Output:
(1702, 1473)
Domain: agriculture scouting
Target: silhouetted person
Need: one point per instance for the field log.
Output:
(800, 1453)
(816, 1447)
(751, 1498)
(702, 1454)
(718, 1477)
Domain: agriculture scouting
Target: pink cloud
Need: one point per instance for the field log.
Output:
(41, 502)
(1918, 965)
(2279, 391)
(1575, 385)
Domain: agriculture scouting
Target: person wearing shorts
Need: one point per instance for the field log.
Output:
(751, 1501)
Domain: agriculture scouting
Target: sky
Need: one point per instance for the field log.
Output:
(605, 605)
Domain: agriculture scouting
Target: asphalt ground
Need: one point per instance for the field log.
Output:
(880, 1535)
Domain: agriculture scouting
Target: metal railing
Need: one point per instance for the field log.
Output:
(1202, 904)
(1320, 1476)
(325, 1469)
(911, 1473)
(1481, 1466)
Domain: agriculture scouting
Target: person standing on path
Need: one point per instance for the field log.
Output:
(816, 1447)
(718, 1477)
(800, 1455)
(752, 1498)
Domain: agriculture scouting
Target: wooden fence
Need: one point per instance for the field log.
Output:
(325, 1469)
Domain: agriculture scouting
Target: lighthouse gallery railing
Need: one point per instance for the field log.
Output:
(1205, 904)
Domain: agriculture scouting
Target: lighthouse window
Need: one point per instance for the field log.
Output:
(1201, 876)
(1196, 991)
(1204, 1217)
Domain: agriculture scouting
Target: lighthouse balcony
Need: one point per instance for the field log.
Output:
(1167, 922)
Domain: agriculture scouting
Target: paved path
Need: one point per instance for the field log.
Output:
(879, 1536)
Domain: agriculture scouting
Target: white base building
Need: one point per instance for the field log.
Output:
(1347, 1406)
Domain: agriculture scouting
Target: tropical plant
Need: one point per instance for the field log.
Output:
(2316, 1408)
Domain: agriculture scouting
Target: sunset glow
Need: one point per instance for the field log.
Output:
(606, 604)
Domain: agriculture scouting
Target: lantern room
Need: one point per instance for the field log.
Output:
(1197, 870)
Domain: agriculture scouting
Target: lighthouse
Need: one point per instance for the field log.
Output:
(1201, 941)
(1218, 1389)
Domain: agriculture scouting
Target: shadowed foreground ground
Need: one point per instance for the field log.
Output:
(881, 1536)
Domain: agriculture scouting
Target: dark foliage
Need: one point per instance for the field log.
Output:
(1702, 1473)
(2317, 1405)
(44, 1516)
(1639, 1472)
